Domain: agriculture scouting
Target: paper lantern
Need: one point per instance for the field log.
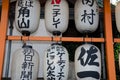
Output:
(86, 16)
(27, 16)
(56, 16)
(25, 64)
(56, 63)
(117, 16)
(87, 62)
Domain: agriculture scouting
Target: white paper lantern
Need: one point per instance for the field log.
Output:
(56, 16)
(27, 16)
(56, 63)
(87, 62)
(117, 15)
(25, 64)
(86, 15)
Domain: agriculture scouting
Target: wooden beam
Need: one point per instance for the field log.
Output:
(117, 40)
(64, 39)
(3, 31)
(109, 41)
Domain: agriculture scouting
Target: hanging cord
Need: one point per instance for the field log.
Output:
(86, 36)
(56, 34)
(24, 41)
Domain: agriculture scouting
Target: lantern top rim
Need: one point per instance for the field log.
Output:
(26, 46)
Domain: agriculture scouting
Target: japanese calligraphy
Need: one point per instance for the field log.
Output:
(61, 62)
(23, 24)
(93, 74)
(24, 13)
(50, 69)
(88, 17)
(27, 66)
(56, 18)
(55, 61)
(89, 2)
(91, 56)
(28, 3)
(55, 1)
(87, 58)
(61, 73)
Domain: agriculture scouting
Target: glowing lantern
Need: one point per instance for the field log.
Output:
(56, 16)
(86, 15)
(87, 62)
(27, 16)
(117, 15)
(25, 64)
(56, 63)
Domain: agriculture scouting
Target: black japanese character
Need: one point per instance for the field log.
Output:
(24, 65)
(91, 56)
(85, 74)
(20, 3)
(61, 73)
(29, 53)
(56, 12)
(51, 55)
(29, 3)
(23, 24)
(56, 20)
(58, 48)
(30, 65)
(51, 78)
(60, 54)
(27, 65)
(53, 47)
(88, 16)
(51, 72)
(60, 62)
(24, 12)
(50, 65)
(26, 75)
(89, 2)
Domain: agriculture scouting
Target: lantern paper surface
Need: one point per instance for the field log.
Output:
(86, 16)
(87, 62)
(117, 15)
(27, 16)
(25, 64)
(56, 63)
(56, 15)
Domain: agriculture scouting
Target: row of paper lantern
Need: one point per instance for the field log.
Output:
(87, 57)
(25, 63)
(27, 16)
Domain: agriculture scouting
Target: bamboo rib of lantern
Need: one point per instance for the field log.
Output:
(64, 39)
